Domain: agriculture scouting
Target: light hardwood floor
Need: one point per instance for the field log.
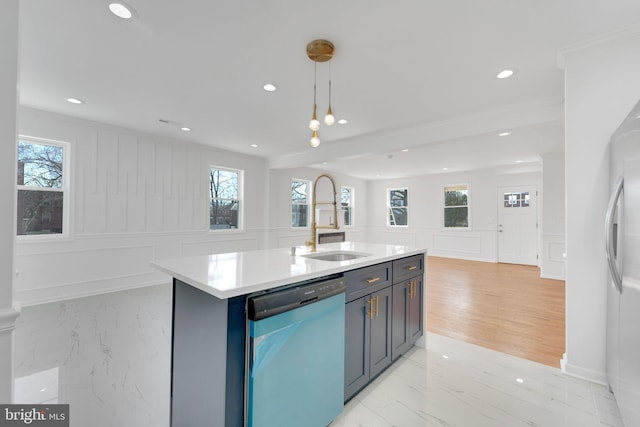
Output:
(503, 307)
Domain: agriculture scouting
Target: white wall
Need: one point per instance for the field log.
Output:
(281, 234)
(479, 242)
(553, 213)
(134, 198)
(8, 104)
(602, 85)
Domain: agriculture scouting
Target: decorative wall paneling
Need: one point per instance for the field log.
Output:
(134, 198)
(552, 265)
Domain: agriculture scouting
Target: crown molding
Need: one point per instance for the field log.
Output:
(629, 32)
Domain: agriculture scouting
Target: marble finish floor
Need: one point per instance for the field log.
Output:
(452, 383)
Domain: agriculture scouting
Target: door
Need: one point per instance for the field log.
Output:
(400, 324)
(380, 346)
(415, 321)
(518, 225)
(357, 339)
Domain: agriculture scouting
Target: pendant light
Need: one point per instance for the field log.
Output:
(329, 119)
(314, 124)
(319, 51)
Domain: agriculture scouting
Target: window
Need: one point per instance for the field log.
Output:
(456, 206)
(300, 203)
(516, 200)
(225, 188)
(346, 201)
(398, 207)
(42, 187)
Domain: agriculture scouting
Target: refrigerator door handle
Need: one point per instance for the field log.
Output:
(613, 267)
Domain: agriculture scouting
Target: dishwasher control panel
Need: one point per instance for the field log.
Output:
(278, 301)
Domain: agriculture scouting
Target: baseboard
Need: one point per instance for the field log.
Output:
(582, 373)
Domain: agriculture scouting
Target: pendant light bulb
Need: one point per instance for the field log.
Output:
(329, 119)
(314, 124)
(315, 140)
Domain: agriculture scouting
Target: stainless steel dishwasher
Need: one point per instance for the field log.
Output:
(296, 355)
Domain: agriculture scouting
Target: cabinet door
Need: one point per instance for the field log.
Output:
(356, 350)
(416, 311)
(380, 331)
(400, 320)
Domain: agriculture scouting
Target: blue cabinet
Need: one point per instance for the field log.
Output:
(384, 318)
(367, 326)
(408, 288)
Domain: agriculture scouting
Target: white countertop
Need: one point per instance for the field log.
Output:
(240, 273)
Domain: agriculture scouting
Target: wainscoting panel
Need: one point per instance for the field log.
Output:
(462, 244)
(133, 198)
(553, 262)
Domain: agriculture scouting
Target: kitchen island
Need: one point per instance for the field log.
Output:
(210, 323)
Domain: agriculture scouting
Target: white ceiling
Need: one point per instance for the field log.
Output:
(416, 74)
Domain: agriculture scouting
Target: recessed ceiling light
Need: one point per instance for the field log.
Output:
(269, 87)
(121, 10)
(405, 150)
(342, 122)
(445, 169)
(75, 101)
(254, 145)
(444, 356)
(519, 380)
(506, 73)
(519, 161)
(504, 134)
(186, 129)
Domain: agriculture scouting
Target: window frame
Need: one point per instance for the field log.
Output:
(65, 189)
(240, 200)
(468, 206)
(350, 205)
(308, 203)
(406, 207)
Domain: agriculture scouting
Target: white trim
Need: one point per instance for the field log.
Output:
(582, 373)
(8, 318)
(631, 31)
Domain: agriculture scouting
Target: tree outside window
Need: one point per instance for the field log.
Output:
(300, 190)
(456, 206)
(398, 207)
(346, 202)
(224, 202)
(41, 184)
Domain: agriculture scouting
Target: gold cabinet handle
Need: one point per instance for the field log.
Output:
(372, 280)
(377, 304)
(370, 313)
(413, 267)
(410, 288)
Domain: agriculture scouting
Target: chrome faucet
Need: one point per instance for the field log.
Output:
(314, 226)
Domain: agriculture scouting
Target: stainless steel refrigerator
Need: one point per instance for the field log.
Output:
(622, 230)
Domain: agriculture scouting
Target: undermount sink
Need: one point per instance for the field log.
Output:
(336, 256)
